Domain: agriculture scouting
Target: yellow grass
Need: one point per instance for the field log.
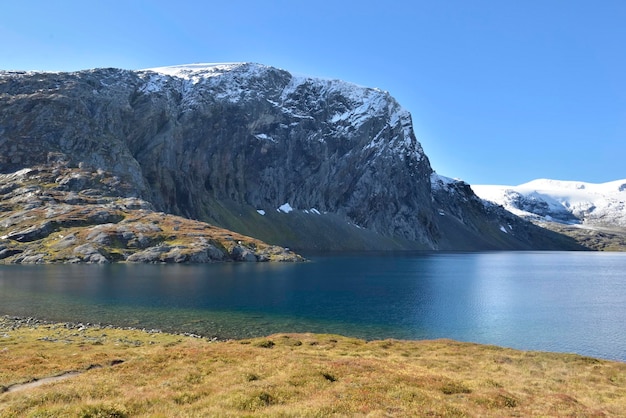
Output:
(165, 375)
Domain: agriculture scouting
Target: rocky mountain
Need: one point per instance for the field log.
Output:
(594, 214)
(302, 162)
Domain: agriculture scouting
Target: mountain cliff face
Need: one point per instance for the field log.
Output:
(302, 162)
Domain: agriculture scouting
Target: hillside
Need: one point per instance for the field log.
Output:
(71, 215)
(296, 161)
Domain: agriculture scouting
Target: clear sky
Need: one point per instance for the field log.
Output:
(501, 92)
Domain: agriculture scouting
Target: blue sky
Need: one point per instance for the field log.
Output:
(501, 92)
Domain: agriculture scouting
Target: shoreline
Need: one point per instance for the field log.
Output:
(13, 322)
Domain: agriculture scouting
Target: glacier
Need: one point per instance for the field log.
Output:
(568, 202)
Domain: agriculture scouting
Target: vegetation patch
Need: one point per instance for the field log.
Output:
(264, 344)
(173, 375)
(103, 411)
(329, 377)
(453, 387)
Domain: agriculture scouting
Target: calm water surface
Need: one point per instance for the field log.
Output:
(552, 301)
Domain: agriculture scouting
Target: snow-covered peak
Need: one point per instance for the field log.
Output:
(437, 181)
(562, 201)
(577, 189)
(366, 100)
(188, 70)
(370, 98)
(341, 108)
(196, 73)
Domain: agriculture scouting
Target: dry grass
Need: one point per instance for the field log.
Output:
(164, 375)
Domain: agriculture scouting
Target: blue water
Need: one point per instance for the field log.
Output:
(550, 301)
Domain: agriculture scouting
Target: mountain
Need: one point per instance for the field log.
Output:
(594, 214)
(297, 161)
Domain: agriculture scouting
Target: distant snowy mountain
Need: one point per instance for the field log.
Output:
(566, 202)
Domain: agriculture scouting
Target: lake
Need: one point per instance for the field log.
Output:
(549, 301)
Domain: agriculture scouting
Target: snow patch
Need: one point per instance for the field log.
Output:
(264, 137)
(154, 84)
(195, 72)
(285, 208)
(260, 212)
(438, 182)
(503, 229)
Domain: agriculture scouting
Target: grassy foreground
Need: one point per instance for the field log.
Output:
(136, 373)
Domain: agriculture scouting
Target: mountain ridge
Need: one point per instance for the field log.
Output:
(593, 213)
(232, 144)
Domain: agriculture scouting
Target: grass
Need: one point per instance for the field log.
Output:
(161, 375)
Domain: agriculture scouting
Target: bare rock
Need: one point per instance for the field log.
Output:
(32, 233)
(241, 253)
(89, 254)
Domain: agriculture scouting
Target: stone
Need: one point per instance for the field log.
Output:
(240, 253)
(32, 233)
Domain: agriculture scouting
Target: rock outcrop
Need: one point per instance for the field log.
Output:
(60, 214)
(301, 162)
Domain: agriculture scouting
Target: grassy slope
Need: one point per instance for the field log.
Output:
(294, 375)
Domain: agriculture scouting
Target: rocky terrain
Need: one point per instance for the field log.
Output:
(467, 222)
(301, 162)
(54, 213)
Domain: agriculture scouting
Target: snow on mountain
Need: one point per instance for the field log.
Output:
(569, 202)
(352, 105)
(437, 181)
(217, 141)
(199, 69)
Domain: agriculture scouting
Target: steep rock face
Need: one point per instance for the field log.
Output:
(233, 143)
(82, 117)
(241, 134)
(258, 136)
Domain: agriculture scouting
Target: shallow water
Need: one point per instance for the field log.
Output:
(552, 301)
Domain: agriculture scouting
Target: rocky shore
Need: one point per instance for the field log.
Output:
(10, 323)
